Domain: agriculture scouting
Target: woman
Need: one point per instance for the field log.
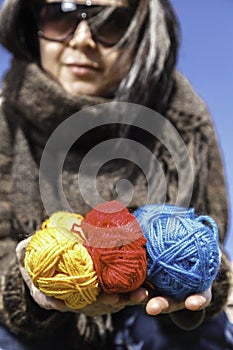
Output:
(68, 56)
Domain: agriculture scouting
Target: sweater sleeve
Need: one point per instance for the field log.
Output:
(18, 311)
(210, 197)
(217, 207)
(211, 183)
(190, 116)
(6, 155)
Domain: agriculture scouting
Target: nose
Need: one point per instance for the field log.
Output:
(82, 36)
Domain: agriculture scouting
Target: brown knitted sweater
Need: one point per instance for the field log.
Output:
(32, 106)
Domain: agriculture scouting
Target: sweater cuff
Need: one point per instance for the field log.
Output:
(221, 288)
(20, 312)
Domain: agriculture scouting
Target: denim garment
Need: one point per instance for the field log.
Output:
(134, 330)
(139, 331)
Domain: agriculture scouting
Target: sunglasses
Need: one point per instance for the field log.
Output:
(58, 21)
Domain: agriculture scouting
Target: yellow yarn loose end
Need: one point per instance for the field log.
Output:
(69, 221)
(61, 267)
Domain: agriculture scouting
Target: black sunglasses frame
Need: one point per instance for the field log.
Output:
(84, 13)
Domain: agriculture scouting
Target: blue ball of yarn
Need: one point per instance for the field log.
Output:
(183, 254)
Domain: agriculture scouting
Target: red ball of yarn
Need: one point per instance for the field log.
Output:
(117, 246)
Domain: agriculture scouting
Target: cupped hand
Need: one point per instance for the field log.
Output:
(187, 314)
(41, 299)
(104, 304)
(111, 303)
(155, 305)
(162, 304)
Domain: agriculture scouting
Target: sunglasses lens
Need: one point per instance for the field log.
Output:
(58, 20)
(114, 27)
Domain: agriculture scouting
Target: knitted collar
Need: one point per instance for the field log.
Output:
(38, 100)
(42, 103)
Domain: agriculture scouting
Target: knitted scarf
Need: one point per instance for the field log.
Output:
(33, 106)
(33, 110)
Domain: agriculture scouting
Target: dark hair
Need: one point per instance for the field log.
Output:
(149, 81)
(153, 33)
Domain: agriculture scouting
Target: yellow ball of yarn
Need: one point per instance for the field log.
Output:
(67, 220)
(61, 267)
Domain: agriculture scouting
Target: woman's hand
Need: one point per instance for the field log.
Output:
(161, 304)
(104, 304)
(187, 314)
(40, 298)
(153, 305)
(107, 303)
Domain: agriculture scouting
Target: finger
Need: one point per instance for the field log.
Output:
(124, 300)
(139, 295)
(59, 305)
(47, 302)
(109, 299)
(198, 301)
(157, 305)
(20, 249)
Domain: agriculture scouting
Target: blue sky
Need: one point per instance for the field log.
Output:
(206, 57)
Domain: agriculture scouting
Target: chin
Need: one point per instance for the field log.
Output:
(81, 89)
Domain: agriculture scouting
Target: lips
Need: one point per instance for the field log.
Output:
(82, 68)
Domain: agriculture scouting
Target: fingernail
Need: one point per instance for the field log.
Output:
(196, 303)
(139, 295)
(154, 308)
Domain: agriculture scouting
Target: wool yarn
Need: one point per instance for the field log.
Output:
(117, 246)
(58, 263)
(73, 258)
(66, 220)
(110, 225)
(183, 255)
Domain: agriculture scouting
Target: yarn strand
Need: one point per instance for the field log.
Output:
(111, 250)
(183, 255)
(61, 268)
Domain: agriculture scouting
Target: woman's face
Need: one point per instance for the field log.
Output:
(82, 65)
